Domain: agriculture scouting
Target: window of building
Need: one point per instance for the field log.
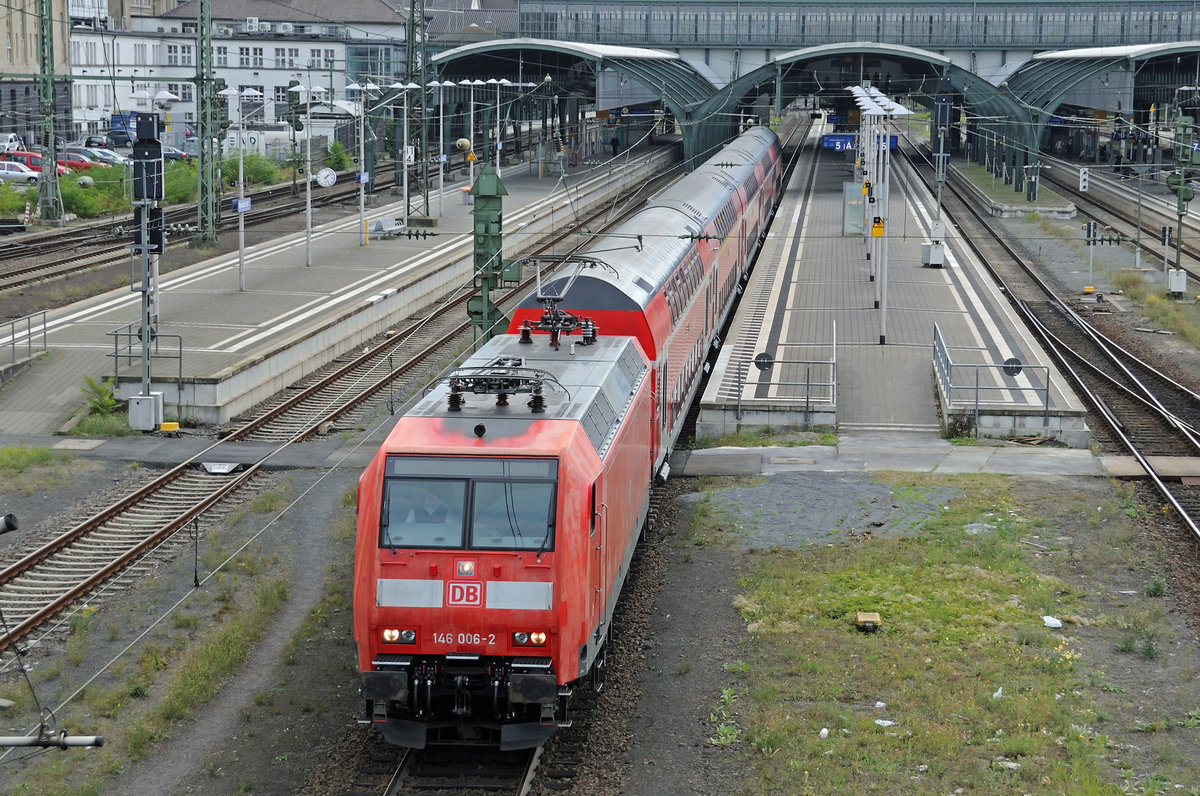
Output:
(243, 56)
(258, 57)
(222, 56)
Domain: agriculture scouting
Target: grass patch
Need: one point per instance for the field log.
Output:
(103, 426)
(16, 461)
(786, 436)
(1182, 318)
(971, 681)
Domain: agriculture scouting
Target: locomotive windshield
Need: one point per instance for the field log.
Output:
(481, 504)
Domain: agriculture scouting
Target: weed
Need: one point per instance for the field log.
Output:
(1156, 587)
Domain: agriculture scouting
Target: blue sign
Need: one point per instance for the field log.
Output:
(241, 205)
(364, 177)
(837, 142)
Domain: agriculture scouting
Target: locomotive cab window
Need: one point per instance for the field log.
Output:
(484, 504)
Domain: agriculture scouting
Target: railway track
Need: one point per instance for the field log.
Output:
(1110, 204)
(98, 244)
(1147, 413)
(111, 246)
(448, 770)
(123, 533)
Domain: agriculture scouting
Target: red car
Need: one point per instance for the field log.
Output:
(31, 159)
(78, 162)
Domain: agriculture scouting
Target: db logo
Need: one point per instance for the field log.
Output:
(465, 594)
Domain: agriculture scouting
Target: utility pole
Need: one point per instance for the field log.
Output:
(415, 73)
(50, 206)
(208, 185)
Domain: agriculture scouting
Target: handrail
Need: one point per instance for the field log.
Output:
(29, 333)
(945, 368)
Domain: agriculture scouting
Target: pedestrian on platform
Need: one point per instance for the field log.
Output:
(616, 144)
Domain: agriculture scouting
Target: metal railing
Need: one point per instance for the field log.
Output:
(127, 345)
(818, 390)
(966, 393)
(28, 325)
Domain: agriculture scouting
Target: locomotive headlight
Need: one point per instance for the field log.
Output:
(466, 569)
(535, 639)
(520, 638)
(392, 635)
(538, 638)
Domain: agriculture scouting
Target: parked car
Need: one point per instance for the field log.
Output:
(12, 171)
(118, 139)
(79, 162)
(98, 154)
(31, 159)
(171, 153)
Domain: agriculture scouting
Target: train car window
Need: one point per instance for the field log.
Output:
(513, 515)
(422, 512)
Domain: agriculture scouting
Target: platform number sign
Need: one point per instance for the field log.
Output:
(1083, 179)
(464, 593)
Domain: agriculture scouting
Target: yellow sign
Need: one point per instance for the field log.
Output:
(470, 157)
(866, 187)
(877, 228)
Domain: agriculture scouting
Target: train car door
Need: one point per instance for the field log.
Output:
(596, 543)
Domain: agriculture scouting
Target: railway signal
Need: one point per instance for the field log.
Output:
(1083, 180)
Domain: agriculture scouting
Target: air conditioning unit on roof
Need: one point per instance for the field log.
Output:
(225, 32)
(286, 27)
(251, 24)
(264, 27)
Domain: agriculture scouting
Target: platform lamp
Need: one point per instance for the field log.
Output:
(361, 176)
(405, 150)
(441, 85)
(242, 205)
(308, 92)
(471, 126)
(497, 143)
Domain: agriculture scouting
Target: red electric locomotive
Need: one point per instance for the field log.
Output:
(493, 537)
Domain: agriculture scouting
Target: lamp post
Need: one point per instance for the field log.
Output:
(471, 126)
(441, 138)
(362, 155)
(308, 92)
(404, 148)
(499, 126)
(241, 208)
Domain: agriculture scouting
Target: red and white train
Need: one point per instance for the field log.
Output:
(494, 537)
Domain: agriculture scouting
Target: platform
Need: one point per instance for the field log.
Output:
(810, 307)
(240, 347)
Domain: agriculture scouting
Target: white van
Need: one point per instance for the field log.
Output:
(11, 142)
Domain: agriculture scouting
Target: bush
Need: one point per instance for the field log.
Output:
(182, 181)
(13, 199)
(100, 397)
(338, 159)
(106, 195)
